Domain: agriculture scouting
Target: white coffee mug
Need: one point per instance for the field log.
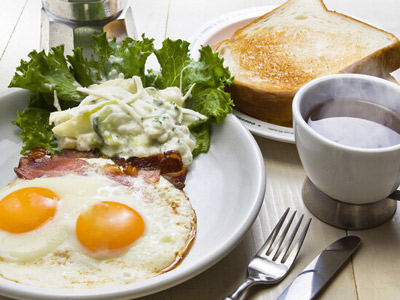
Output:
(346, 173)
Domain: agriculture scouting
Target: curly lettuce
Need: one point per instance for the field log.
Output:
(35, 129)
(56, 75)
(110, 59)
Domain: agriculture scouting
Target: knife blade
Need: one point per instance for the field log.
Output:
(318, 273)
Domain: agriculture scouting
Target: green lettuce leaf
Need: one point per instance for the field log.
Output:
(201, 131)
(46, 74)
(173, 57)
(111, 59)
(35, 129)
(210, 77)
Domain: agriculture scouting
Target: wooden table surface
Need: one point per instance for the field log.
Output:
(373, 273)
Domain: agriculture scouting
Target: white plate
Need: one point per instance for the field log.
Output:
(226, 197)
(222, 28)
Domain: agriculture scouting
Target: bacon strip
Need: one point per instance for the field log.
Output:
(39, 163)
(169, 164)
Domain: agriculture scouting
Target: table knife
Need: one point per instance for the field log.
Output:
(318, 273)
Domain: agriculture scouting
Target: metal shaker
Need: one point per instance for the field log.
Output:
(73, 22)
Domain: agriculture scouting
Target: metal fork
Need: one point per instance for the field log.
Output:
(270, 265)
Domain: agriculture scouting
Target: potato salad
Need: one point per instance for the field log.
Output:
(121, 117)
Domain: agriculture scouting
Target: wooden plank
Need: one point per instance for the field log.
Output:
(187, 16)
(151, 18)
(24, 39)
(10, 16)
(376, 265)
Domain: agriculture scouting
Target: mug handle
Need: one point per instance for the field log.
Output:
(395, 195)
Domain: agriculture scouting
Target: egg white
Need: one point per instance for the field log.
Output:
(51, 256)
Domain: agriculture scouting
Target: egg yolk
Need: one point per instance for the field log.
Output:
(26, 209)
(109, 226)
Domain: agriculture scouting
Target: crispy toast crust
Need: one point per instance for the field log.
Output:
(272, 103)
(378, 63)
(249, 100)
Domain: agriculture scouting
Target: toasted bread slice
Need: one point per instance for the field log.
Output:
(277, 53)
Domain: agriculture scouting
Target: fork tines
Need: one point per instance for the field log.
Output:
(272, 249)
(271, 264)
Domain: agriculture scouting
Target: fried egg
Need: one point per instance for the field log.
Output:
(89, 231)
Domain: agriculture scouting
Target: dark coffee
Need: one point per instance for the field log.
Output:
(356, 123)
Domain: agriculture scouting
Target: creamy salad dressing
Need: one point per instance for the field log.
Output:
(120, 117)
